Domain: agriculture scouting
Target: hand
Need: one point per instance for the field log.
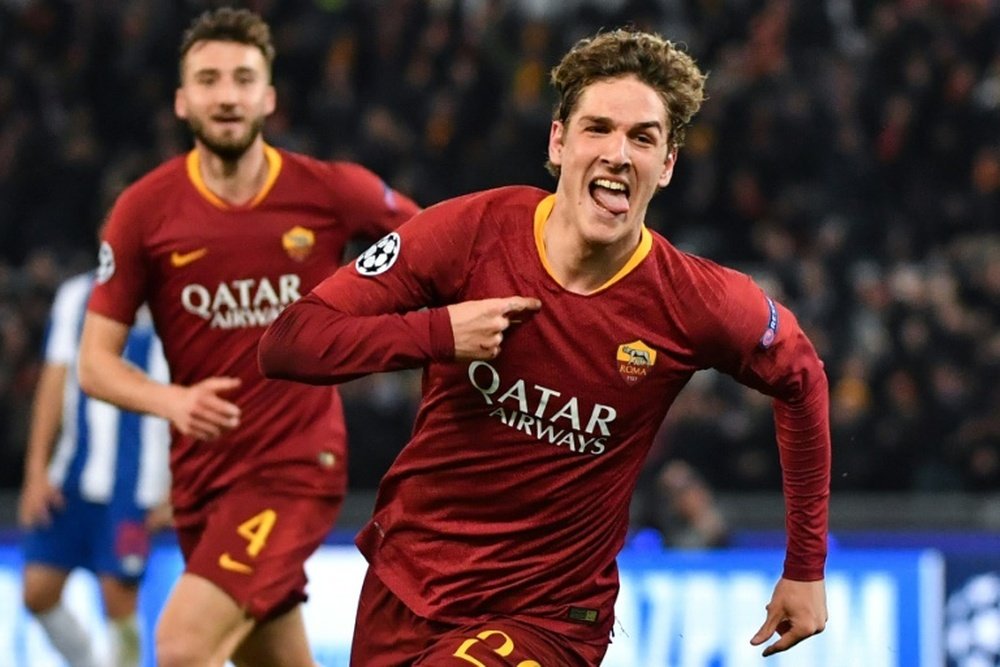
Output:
(38, 498)
(797, 610)
(478, 326)
(200, 412)
(160, 517)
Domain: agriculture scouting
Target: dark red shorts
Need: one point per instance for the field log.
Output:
(388, 634)
(253, 544)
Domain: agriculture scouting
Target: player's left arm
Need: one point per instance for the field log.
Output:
(760, 343)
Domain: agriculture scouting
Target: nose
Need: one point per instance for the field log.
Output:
(226, 91)
(616, 150)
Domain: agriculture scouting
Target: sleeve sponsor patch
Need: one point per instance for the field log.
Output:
(767, 338)
(388, 196)
(380, 256)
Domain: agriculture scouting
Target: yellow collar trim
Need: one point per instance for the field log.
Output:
(542, 213)
(274, 163)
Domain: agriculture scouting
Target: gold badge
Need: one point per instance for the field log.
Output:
(635, 360)
(298, 242)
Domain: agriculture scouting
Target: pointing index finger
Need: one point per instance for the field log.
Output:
(521, 303)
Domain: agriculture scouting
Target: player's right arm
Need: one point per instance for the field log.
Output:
(197, 411)
(402, 311)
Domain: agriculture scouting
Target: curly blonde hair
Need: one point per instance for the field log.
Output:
(657, 62)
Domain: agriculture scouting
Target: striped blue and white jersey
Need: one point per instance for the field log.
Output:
(105, 454)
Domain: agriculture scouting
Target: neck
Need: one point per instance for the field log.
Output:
(580, 265)
(234, 181)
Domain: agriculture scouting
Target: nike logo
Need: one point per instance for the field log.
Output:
(227, 563)
(179, 259)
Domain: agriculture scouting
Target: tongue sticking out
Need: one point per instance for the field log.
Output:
(614, 201)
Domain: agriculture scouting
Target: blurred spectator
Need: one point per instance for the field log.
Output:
(690, 518)
(851, 147)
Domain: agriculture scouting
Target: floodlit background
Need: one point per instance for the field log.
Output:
(848, 157)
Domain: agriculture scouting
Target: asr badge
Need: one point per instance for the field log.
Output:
(635, 360)
(298, 242)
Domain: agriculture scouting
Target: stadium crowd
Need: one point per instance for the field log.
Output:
(848, 157)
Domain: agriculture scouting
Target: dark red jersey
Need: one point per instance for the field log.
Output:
(512, 496)
(215, 276)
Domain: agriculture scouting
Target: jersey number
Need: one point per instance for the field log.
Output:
(256, 529)
(505, 649)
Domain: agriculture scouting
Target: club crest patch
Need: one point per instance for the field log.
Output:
(635, 360)
(380, 256)
(298, 242)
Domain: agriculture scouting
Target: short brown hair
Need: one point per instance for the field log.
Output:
(227, 24)
(655, 61)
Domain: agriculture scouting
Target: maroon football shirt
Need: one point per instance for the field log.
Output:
(215, 276)
(512, 496)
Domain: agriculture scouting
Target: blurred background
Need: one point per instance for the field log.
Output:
(848, 157)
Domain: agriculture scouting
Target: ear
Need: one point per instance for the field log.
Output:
(180, 104)
(270, 101)
(668, 168)
(556, 142)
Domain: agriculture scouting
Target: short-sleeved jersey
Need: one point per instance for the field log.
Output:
(512, 496)
(215, 275)
(103, 454)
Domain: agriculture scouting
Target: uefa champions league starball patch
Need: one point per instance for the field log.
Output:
(105, 263)
(972, 623)
(380, 256)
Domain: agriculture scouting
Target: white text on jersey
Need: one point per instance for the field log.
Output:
(542, 412)
(242, 303)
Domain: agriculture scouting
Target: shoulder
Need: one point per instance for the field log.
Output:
(719, 308)
(498, 204)
(330, 181)
(74, 290)
(694, 277)
(79, 282)
(514, 196)
(332, 172)
(301, 161)
(65, 316)
(155, 185)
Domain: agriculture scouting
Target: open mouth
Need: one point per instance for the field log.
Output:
(610, 195)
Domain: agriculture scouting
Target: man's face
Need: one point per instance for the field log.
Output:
(613, 156)
(225, 95)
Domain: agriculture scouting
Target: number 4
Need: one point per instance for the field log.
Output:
(256, 529)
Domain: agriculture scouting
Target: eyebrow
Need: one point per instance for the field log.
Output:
(242, 69)
(645, 125)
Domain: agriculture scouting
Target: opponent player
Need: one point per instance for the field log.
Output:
(496, 530)
(218, 242)
(92, 474)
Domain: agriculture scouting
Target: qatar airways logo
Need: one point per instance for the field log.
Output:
(242, 303)
(542, 413)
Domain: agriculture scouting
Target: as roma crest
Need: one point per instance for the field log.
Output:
(635, 360)
(298, 242)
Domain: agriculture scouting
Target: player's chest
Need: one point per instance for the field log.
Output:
(243, 249)
(576, 377)
(619, 339)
